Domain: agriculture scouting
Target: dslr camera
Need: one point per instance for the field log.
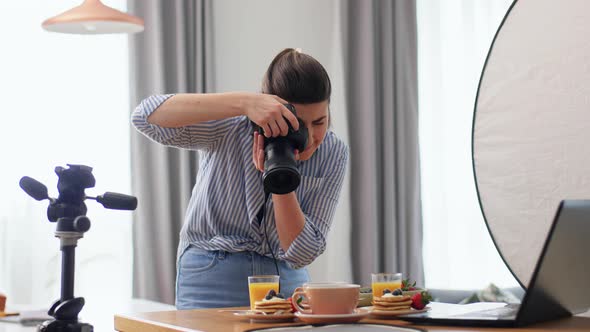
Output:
(281, 175)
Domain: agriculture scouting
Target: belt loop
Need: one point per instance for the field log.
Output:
(221, 254)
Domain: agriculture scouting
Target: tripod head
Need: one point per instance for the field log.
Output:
(69, 211)
(71, 185)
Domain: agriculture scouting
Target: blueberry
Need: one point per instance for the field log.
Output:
(270, 294)
(281, 296)
(386, 291)
(397, 292)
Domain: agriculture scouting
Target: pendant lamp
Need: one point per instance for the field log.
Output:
(93, 17)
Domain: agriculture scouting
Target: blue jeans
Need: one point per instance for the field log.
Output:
(216, 279)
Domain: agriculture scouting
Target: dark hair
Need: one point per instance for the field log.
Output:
(297, 78)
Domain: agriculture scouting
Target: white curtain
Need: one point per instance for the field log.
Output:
(453, 40)
(64, 100)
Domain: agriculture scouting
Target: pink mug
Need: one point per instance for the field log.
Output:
(329, 298)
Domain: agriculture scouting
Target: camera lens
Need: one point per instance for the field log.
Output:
(281, 180)
(281, 175)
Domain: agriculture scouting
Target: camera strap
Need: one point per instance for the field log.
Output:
(260, 218)
(260, 214)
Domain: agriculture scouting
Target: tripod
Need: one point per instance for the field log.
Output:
(69, 211)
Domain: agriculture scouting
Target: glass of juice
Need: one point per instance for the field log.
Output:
(259, 287)
(381, 281)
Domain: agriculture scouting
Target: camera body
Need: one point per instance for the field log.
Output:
(281, 175)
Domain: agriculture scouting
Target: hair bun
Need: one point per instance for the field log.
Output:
(297, 77)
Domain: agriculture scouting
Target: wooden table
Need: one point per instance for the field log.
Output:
(95, 313)
(213, 320)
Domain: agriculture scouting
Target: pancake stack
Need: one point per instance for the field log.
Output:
(392, 303)
(273, 306)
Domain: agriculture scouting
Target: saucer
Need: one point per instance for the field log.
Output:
(259, 317)
(332, 319)
(392, 314)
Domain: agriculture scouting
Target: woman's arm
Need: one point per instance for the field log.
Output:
(288, 215)
(289, 218)
(187, 109)
(307, 238)
(200, 121)
(190, 108)
(302, 235)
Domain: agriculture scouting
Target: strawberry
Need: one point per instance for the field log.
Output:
(293, 309)
(420, 300)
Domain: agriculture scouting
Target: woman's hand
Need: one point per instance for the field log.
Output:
(269, 112)
(258, 152)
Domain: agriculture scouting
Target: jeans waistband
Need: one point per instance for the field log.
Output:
(223, 253)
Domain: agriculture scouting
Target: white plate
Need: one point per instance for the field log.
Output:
(332, 319)
(253, 316)
(392, 314)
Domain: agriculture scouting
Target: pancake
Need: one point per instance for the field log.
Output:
(391, 309)
(393, 298)
(392, 303)
(273, 305)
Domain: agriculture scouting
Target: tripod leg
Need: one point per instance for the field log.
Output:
(68, 262)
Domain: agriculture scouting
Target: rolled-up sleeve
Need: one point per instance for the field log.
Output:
(202, 135)
(311, 242)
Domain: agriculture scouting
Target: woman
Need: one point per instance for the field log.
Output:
(227, 235)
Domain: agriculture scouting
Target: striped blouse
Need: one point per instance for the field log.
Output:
(228, 194)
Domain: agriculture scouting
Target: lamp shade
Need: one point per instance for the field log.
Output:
(93, 17)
